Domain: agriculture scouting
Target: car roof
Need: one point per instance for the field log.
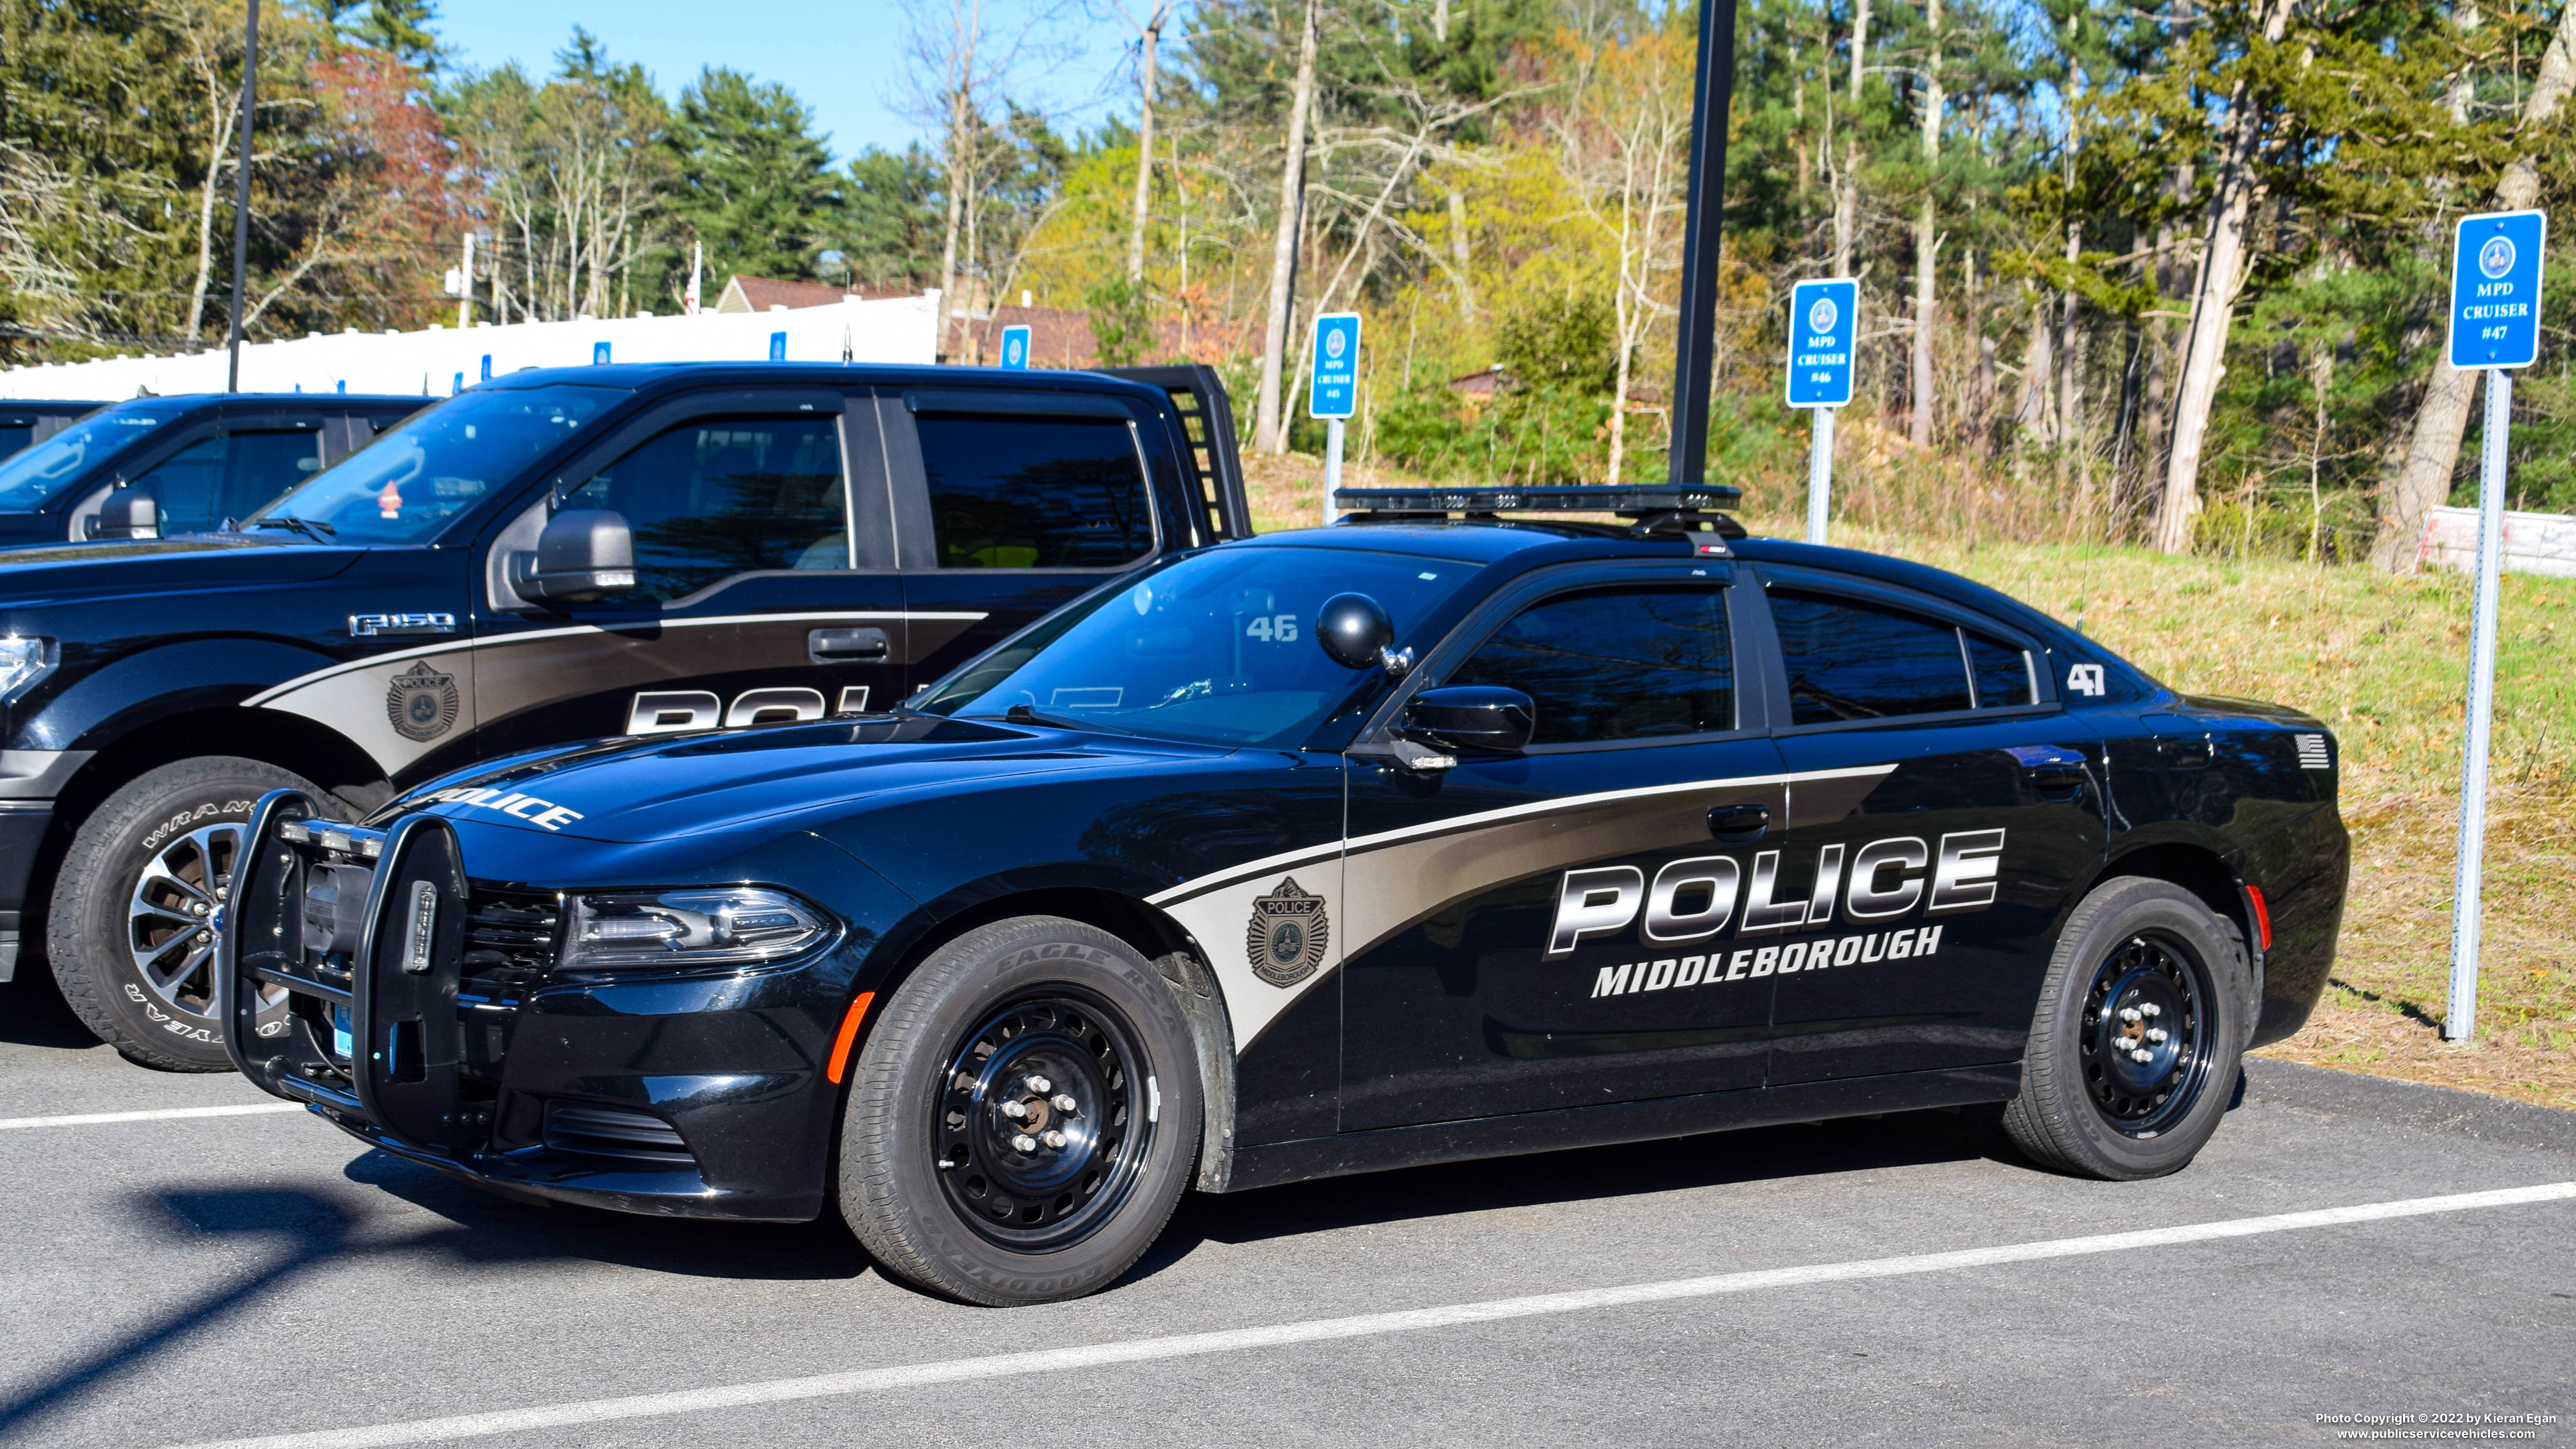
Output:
(183, 403)
(642, 377)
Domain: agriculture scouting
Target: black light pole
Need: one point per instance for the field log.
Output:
(1701, 229)
(241, 189)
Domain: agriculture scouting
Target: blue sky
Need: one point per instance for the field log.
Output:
(842, 60)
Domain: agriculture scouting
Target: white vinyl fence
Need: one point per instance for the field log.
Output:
(444, 360)
(2534, 543)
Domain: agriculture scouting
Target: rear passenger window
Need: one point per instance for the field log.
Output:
(711, 499)
(1035, 493)
(1615, 664)
(1849, 660)
(230, 475)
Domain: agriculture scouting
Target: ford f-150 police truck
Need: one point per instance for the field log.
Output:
(558, 556)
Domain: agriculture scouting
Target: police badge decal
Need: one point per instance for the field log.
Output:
(1287, 936)
(422, 703)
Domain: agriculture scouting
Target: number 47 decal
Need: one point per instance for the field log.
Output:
(1272, 628)
(2085, 679)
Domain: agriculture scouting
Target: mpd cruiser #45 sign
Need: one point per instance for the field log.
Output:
(1511, 836)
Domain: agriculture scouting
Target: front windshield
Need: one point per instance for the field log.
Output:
(406, 485)
(69, 456)
(1219, 648)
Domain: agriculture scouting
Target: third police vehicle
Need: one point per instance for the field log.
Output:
(1426, 837)
(558, 555)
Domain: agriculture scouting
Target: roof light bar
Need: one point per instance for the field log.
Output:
(1577, 498)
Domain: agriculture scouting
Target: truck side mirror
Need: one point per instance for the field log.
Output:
(582, 556)
(127, 512)
(1472, 718)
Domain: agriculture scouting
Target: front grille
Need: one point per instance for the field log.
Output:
(613, 1132)
(509, 927)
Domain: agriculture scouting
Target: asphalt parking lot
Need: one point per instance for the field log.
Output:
(260, 1278)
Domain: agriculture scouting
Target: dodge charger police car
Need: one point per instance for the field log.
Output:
(551, 557)
(1415, 839)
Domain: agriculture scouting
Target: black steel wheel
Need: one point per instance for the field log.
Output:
(2144, 1040)
(2137, 1039)
(1024, 1114)
(1038, 1132)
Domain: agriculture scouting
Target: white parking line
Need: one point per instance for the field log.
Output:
(1189, 1345)
(166, 1114)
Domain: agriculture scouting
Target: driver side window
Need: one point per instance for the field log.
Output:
(723, 496)
(1615, 664)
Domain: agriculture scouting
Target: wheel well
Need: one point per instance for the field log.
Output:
(2198, 871)
(290, 742)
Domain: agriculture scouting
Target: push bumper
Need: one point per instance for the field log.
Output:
(435, 1033)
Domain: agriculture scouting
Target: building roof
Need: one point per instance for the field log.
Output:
(770, 294)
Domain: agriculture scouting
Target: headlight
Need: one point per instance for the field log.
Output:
(22, 661)
(713, 926)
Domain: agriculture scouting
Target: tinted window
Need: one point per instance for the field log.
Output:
(14, 437)
(75, 453)
(1849, 660)
(1035, 493)
(2002, 673)
(1217, 647)
(229, 476)
(438, 463)
(1616, 664)
(712, 499)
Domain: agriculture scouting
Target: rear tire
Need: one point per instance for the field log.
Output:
(1033, 1014)
(135, 957)
(2138, 1040)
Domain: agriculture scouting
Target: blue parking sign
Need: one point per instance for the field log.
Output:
(1824, 322)
(2495, 289)
(1334, 390)
(1015, 348)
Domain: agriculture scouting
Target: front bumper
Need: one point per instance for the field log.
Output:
(443, 1034)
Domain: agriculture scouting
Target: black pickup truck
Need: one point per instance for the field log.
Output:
(159, 466)
(555, 556)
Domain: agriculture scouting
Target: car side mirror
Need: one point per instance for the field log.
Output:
(1472, 718)
(583, 555)
(1356, 632)
(127, 512)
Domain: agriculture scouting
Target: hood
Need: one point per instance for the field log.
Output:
(65, 571)
(773, 777)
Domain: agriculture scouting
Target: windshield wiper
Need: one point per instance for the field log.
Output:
(312, 528)
(1022, 714)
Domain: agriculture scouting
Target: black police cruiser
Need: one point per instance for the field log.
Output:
(1418, 839)
(162, 466)
(25, 422)
(556, 556)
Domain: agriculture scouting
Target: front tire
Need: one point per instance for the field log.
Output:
(130, 929)
(2138, 1039)
(1024, 1116)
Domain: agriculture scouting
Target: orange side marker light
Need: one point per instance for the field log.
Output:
(850, 1033)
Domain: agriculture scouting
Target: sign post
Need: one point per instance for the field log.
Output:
(1333, 392)
(1015, 348)
(2495, 325)
(1824, 322)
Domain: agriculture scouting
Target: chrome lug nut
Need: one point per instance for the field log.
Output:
(2155, 1033)
(1041, 1085)
(2152, 1009)
(1015, 1110)
(2142, 1056)
(1024, 1143)
(1063, 1102)
(2128, 1013)
(1053, 1139)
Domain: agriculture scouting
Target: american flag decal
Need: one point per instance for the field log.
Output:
(2312, 753)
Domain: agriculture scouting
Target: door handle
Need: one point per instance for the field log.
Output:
(1739, 824)
(2058, 783)
(847, 646)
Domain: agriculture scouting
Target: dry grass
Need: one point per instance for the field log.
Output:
(2382, 660)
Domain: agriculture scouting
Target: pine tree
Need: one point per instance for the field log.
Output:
(755, 183)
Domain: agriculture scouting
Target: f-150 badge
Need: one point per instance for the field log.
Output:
(1288, 934)
(422, 703)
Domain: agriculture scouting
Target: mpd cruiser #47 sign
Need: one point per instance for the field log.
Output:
(1420, 838)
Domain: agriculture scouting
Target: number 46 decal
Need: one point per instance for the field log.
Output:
(1272, 628)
